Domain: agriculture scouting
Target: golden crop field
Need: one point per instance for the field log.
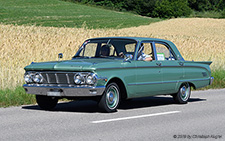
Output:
(197, 39)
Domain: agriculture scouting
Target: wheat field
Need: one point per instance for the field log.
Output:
(197, 39)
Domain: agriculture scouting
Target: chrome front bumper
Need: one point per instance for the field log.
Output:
(64, 91)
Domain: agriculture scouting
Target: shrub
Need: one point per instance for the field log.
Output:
(171, 8)
(207, 5)
(223, 13)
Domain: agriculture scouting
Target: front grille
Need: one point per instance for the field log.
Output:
(58, 77)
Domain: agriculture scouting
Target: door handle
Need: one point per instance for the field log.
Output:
(159, 64)
(181, 63)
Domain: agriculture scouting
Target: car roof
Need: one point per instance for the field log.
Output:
(133, 38)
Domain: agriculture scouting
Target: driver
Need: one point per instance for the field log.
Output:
(105, 50)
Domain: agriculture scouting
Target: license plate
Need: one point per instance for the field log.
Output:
(53, 94)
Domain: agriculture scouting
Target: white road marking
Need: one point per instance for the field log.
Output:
(135, 117)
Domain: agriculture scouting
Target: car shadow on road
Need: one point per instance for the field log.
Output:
(84, 106)
(89, 106)
(152, 102)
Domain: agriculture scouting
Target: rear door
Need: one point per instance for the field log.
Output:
(172, 70)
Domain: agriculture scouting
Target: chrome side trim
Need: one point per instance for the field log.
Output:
(164, 82)
(146, 83)
(189, 66)
(188, 80)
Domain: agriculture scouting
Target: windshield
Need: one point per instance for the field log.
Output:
(106, 48)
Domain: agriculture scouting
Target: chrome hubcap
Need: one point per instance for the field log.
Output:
(183, 90)
(112, 97)
(184, 93)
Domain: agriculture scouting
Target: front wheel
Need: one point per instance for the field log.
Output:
(183, 94)
(110, 99)
(46, 102)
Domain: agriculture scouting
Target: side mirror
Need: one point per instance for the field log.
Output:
(60, 55)
(128, 57)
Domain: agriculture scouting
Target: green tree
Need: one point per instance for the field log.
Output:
(142, 7)
(171, 8)
(207, 5)
(160, 8)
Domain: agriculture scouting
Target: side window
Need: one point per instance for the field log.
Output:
(145, 51)
(130, 48)
(163, 52)
(89, 50)
(147, 48)
(112, 51)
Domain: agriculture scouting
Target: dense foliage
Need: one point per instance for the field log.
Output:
(207, 5)
(160, 8)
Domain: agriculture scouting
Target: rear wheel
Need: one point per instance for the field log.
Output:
(109, 101)
(183, 94)
(46, 102)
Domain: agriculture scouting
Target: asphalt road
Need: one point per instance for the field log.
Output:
(144, 119)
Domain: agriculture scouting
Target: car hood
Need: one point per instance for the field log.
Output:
(75, 65)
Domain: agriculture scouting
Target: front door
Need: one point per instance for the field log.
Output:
(148, 78)
(148, 73)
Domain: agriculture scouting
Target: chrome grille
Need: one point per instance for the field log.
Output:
(58, 77)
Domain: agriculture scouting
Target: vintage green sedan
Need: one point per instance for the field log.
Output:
(112, 69)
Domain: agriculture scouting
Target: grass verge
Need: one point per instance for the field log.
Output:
(15, 97)
(18, 96)
(219, 79)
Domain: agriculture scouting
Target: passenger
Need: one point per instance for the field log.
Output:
(142, 56)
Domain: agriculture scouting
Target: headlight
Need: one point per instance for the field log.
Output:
(85, 78)
(79, 79)
(28, 78)
(37, 78)
(91, 79)
(32, 77)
